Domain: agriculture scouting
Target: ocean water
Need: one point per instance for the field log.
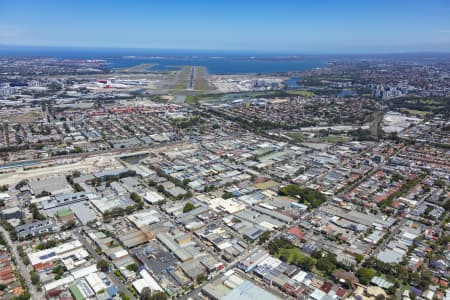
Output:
(292, 83)
(220, 65)
(216, 62)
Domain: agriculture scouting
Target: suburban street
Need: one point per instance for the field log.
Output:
(24, 272)
(117, 282)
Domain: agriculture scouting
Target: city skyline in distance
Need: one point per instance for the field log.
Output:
(322, 27)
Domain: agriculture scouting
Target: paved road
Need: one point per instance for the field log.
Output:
(117, 282)
(24, 272)
(191, 80)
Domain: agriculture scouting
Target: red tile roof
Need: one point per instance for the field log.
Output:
(341, 292)
(296, 232)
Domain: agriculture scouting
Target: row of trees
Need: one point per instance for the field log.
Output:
(118, 211)
(76, 186)
(160, 188)
(187, 122)
(321, 260)
(308, 196)
(430, 104)
(108, 179)
(35, 212)
(288, 252)
(148, 294)
(401, 191)
(397, 273)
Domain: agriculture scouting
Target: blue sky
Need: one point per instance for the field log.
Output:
(297, 26)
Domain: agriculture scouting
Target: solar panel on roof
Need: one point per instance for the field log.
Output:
(48, 255)
(256, 233)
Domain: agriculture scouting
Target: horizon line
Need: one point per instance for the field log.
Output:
(284, 52)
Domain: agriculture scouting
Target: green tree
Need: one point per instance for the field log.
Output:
(34, 278)
(158, 295)
(201, 278)
(103, 265)
(24, 296)
(188, 207)
(160, 189)
(359, 258)
(440, 183)
(365, 274)
(135, 197)
(78, 188)
(396, 177)
(309, 196)
(264, 237)
(46, 245)
(43, 194)
(69, 225)
(327, 263)
(227, 195)
(146, 294)
(425, 280)
(123, 296)
(133, 267)
(59, 270)
(307, 263)
(35, 212)
(279, 243)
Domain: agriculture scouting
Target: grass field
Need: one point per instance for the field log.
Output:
(224, 96)
(425, 101)
(297, 136)
(142, 68)
(182, 78)
(292, 255)
(190, 99)
(334, 139)
(24, 118)
(416, 112)
(201, 85)
(308, 94)
(201, 81)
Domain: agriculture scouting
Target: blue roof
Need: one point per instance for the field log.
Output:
(416, 291)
